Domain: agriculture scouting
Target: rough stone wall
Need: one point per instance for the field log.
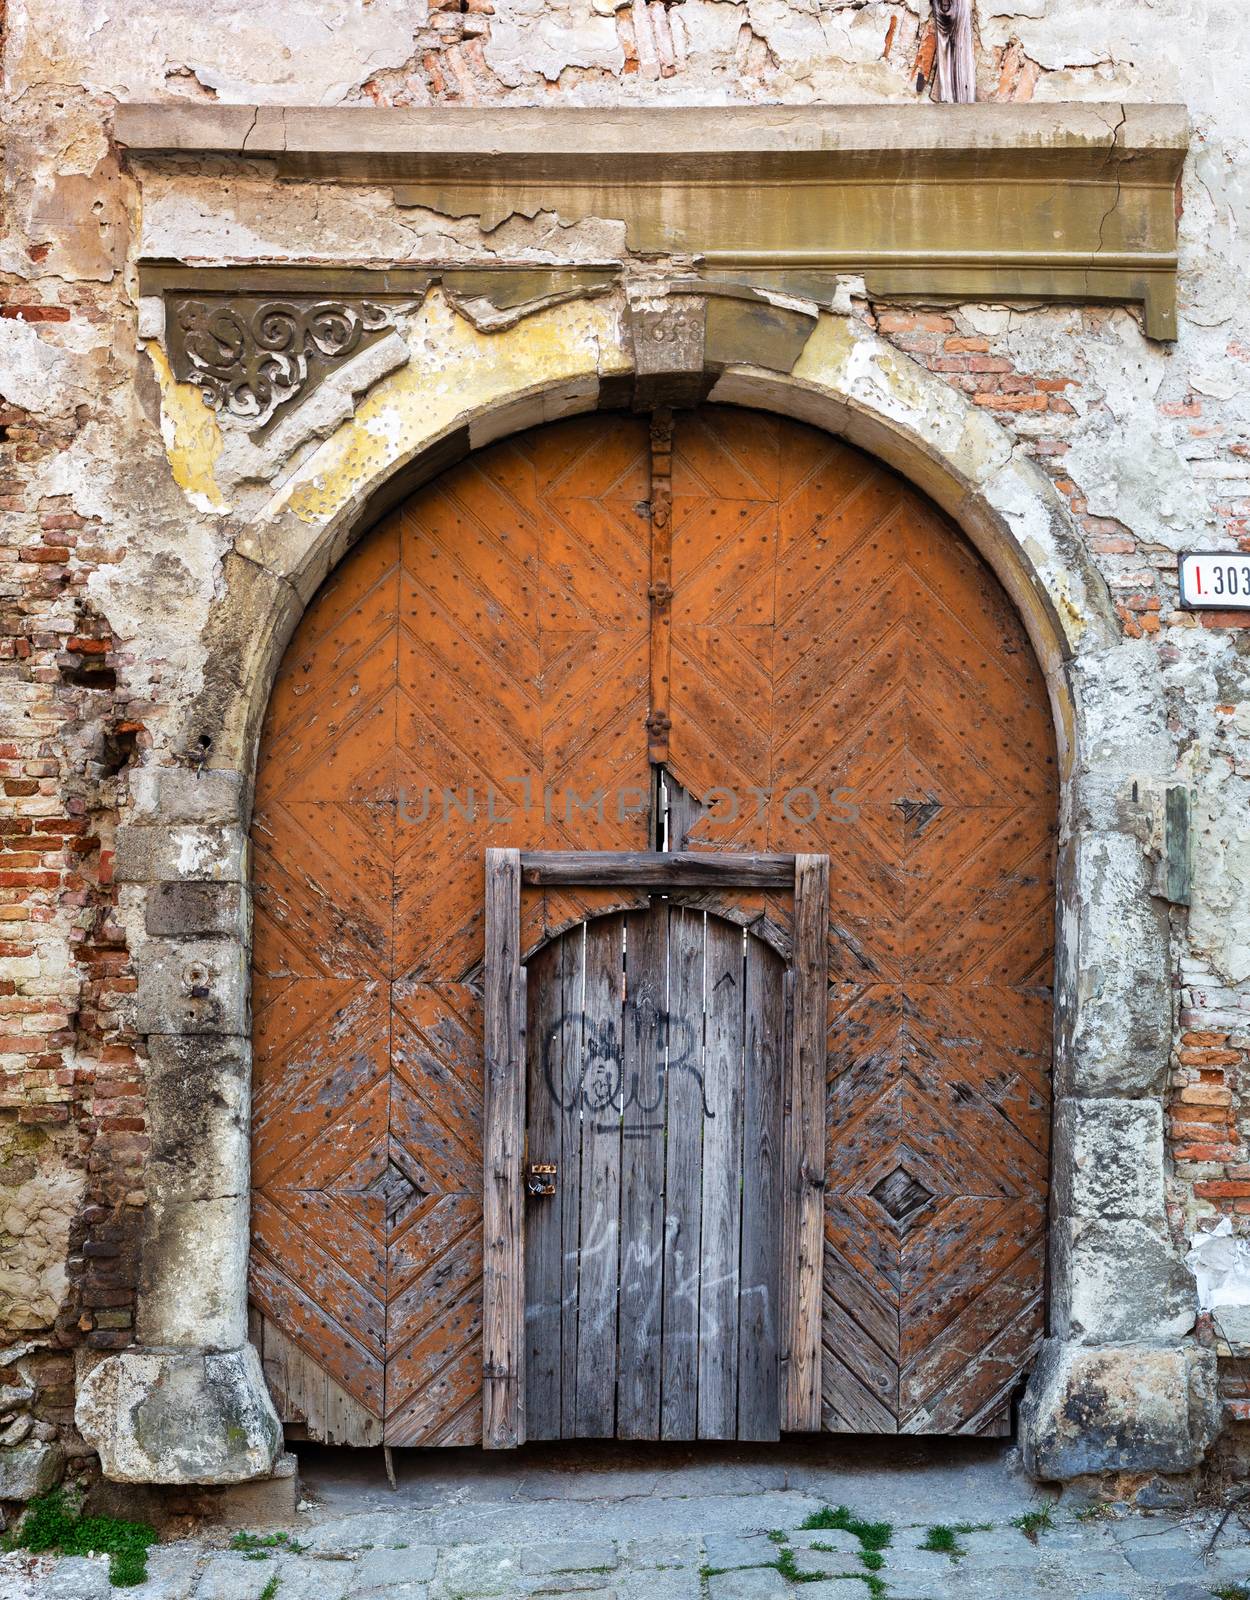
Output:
(111, 552)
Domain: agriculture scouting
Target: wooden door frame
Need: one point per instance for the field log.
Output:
(504, 1112)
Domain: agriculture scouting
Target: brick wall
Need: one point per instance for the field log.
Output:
(71, 1099)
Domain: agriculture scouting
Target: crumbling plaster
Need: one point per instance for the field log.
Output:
(214, 543)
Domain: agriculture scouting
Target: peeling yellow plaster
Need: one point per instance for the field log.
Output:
(192, 437)
(456, 374)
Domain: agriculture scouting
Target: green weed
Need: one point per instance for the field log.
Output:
(872, 1535)
(1031, 1523)
(51, 1523)
(257, 1546)
(789, 1568)
(270, 1589)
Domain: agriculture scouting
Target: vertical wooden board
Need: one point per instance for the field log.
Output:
(683, 1190)
(759, 1315)
(571, 979)
(503, 1144)
(543, 1254)
(805, 1146)
(721, 1234)
(599, 1249)
(642, 1176)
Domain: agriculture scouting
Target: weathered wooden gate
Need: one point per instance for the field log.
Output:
(798, 650)
(674, 1074)
(653, 1180)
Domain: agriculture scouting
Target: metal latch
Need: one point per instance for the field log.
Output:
(540, 1178)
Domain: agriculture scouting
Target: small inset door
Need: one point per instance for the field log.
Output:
(653, 1156)
(653, 1214)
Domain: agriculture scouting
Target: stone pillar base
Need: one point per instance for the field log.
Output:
(1118, 1408)
(180, 1416)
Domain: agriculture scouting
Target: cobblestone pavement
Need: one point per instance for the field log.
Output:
(708, 1524)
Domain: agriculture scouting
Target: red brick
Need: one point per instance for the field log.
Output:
(1206, 1094)
(914, 322)
(1206, 1152)
(1209, 1058)
(1011, 402)
(36, 313)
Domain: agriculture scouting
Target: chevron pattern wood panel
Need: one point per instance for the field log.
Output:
(845, 676)
(469, 676)
(846, 664)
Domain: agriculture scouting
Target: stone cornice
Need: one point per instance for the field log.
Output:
(1060, 202)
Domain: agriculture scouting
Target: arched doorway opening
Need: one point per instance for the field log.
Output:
(820, 662)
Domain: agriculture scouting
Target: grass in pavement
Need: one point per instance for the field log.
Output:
(51, 1523)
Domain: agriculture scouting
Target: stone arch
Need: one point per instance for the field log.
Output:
(462, 388)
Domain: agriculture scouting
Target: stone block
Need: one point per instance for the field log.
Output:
(172, 1573)
(750, 1583)
(191, 987)
(1116, 1036)
(233, 1577)
(1119, 1281)
(194, 1271)
(568, 1556)
(739, 1550)
(378, 1569)
(270, 1502)
(481, 1569)
(753, 333)
(1109, 1159)
(186, 852)
(213, 794)
(81, 1578)
(666, 335)
(30, 1469)
(195, 910)
(189, 1416)
(1127, 1408)
(1232, 1325)
(198, 1116)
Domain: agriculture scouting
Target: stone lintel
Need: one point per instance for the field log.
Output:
(1065, 202)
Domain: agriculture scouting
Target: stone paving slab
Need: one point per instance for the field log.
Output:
(715, 1532)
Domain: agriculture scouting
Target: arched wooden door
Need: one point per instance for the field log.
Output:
(810, 658)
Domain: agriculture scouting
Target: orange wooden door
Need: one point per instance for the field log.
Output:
(843, 676)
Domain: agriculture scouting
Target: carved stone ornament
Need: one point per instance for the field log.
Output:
(252, 357)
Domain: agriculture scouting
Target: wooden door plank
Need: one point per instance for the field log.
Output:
(598, 1281)
(805, 1146)
(721, 1177)
(649, 869)
(543, 1252)
(642, 1176)
(759, 1316)
(683, 1167)
(503, 1145)
(570, 978)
